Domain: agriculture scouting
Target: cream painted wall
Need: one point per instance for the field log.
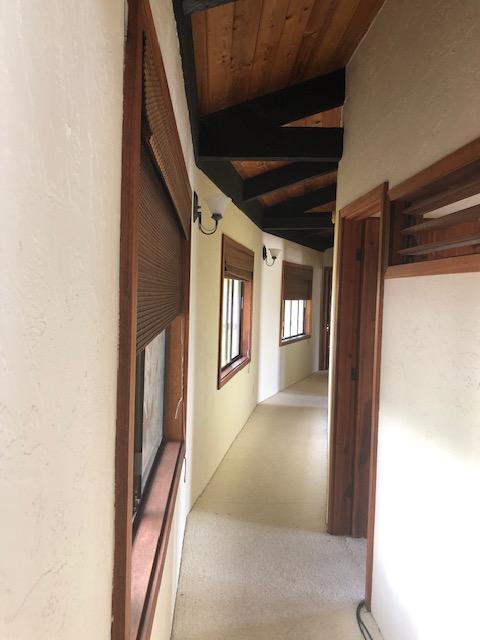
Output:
(60, 160)
(282, 366)
(413, 97)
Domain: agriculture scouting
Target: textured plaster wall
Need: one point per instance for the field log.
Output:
(412, 92)
(61, 74)
(413, 97)
(427, 525)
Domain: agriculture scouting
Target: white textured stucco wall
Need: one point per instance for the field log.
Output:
(428, 525)
(412, 92)
(413, 97)
(61, 74)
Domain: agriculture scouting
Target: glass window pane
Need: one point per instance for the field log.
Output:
(232, 310)
(301, 317)
(153, 396)
(286, 318)
(236, 319)
(294, 330)
(224, 356)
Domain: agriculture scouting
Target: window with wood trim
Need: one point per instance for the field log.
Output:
(235, 309)
(296, 302)
(439, 220)
(152, 371)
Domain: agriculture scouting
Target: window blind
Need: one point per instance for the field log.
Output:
(297, 281)
(160, 256)
(237, 260)
(162, 135)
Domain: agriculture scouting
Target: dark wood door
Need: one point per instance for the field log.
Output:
(325, 319)
(354, 364)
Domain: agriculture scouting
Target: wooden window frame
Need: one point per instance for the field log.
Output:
(225, 374)
(140, 552)
(283, 342)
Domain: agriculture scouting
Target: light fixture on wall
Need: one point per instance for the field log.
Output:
(274, 253)
(217, 205)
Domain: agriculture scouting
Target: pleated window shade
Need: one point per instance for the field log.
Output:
(160, 256)
(162, 135)
(297, 281)
(237, 260)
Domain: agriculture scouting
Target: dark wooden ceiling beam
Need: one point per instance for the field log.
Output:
(227, 180)
(190, 6)
(297, 206)
(290, 144)
(305, 222)
(317, 243)
(277, 179)
(287, 105)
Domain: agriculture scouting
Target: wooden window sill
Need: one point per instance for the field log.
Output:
(150, 542)
(231, 370)
(285, 341)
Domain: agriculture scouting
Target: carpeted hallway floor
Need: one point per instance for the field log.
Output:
(257, 562)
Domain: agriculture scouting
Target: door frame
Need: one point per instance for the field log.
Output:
(375, 203)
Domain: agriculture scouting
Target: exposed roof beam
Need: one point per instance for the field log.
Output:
(190, 6)
(290, 143)
(283, 177)
(319, 244)
(287, 105)
(227, 179)
(299, 205)
(306, 222)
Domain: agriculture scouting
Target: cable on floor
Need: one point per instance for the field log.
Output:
(361, 624)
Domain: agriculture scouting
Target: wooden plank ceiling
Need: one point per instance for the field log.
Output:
(244, 52)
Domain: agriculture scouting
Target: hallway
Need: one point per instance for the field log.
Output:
(257, 562)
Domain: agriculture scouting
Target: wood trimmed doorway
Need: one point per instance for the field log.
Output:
(356, 379)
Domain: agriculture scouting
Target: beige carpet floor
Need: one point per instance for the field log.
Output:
(257, 562)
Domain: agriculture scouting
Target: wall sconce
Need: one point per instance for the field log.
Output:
(217, 205)
(274, 253)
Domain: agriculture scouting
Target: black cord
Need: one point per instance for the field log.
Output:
(361, 625)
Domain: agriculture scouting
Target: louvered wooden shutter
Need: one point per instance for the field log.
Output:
(237, 260)
(160, 256)
(297, 281)
(162, 135)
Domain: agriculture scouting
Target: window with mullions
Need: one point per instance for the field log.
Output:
(294, 316)
(296, 302)
(149, 403)
(231, 320)
(235, 309)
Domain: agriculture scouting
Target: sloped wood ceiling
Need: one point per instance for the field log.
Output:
(249, 48)
(247, 54)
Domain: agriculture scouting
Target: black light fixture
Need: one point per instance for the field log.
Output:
(273, 254)
(217, 205)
